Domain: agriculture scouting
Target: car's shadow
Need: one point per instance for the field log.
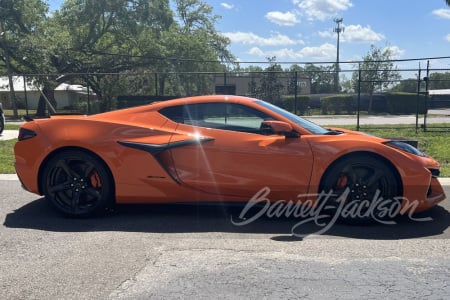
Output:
(40, 215)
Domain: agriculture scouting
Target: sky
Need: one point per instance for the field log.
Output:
(302, 30)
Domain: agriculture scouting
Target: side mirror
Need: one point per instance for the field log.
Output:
(278, 127)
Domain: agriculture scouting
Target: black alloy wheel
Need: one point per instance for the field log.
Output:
(362, 189)
(78, 184)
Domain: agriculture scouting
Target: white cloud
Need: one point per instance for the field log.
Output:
(354, 34)
(285, 54)
(227, 5)
(327, 34)
(256, 52)
(448, 37)
(443, 13)
(358, 33)
(280, 54)
(396, 52)
(288, 54)
(249, 38)
(325, 51)
(282, 19)
(322, 9)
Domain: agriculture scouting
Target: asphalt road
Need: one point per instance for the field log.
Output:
(185, 252)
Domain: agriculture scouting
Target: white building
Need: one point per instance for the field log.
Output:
(27, 93)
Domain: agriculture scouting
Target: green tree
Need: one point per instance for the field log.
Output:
(21, 39)
(376, 71)
(322, 78)
(267, 85)
(254, 73)
(346, 85)
(137, 36)
(90, 41)
(293, 83)
(439, 81)
(97, 37)
(196, 44)
(408, 85)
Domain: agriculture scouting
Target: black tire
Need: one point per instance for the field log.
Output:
(363, 189)
(78, 184)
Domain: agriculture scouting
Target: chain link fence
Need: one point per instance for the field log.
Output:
(419, 89)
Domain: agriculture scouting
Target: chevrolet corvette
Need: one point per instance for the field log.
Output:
(218, 148)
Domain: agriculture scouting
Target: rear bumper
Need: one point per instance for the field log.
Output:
(27, 164)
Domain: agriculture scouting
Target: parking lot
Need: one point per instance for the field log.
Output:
(167, 251)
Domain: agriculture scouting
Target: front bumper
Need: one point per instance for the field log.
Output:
(421, 197)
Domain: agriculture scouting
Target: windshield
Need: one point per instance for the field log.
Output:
(308, 125)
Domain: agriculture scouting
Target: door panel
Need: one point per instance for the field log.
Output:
(240, 164)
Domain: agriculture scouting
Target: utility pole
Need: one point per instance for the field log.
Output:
(338, 30)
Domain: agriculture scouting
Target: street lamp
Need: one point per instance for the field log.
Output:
(338, 30)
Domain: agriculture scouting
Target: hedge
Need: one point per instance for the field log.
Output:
(400, 103)
(337, 104)
(302, 103)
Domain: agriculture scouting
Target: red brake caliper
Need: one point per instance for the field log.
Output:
(342, 181)
(95, 181)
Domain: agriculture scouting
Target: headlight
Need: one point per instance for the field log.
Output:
(405, 147)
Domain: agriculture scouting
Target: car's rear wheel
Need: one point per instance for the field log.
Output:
(361, 189)
(78, 183)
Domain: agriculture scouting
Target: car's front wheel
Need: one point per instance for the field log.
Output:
(78, 183)
(361, 189)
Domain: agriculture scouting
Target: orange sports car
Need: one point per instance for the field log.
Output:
(219, 148)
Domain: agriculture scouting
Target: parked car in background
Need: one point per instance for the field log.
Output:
(2, 119)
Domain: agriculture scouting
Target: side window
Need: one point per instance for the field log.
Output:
(224, 116)
(211, 115)
(247, 118)
(174, 113)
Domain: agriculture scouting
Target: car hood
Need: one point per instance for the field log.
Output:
(359, 134)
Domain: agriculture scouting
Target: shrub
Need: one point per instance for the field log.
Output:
(288, 103)
(337, 104)
(405, 103)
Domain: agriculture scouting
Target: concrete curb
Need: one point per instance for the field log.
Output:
(444, 181)
(8, 177)
(9, 135)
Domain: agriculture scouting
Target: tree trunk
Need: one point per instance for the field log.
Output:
(49, 92)
(41, 108)
(12, 94)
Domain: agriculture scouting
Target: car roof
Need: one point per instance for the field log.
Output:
(202, 99)
(156, 106)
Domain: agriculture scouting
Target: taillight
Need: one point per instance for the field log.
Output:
(25, 134)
